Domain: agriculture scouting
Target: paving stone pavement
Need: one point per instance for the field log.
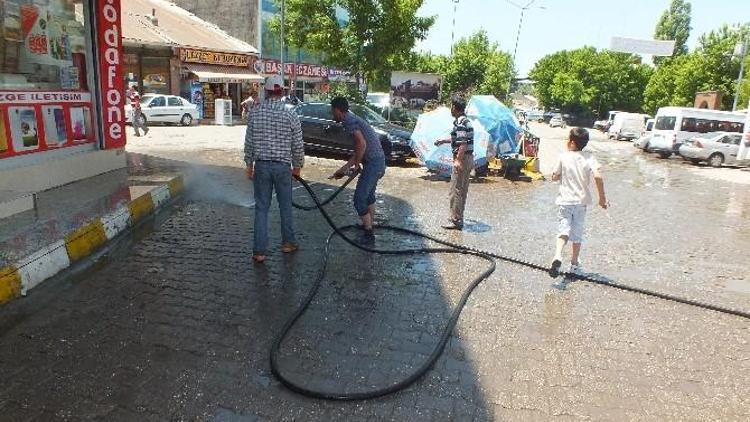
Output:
(178, 324)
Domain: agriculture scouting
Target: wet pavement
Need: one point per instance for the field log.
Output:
(176, 323)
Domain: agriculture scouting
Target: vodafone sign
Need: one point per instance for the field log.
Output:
(109, 43)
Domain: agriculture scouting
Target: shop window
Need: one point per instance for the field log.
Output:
(155, 75)
(44, 89)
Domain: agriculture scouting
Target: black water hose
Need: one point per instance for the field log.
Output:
(450, 247)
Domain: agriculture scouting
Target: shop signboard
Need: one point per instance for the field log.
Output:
(189, 55)
(110, 70)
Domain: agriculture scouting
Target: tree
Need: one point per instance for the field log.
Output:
(674, 24)
(590, 81)
(710, 67)
(477, 66)
(368, 40)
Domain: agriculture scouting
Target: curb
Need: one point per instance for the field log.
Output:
(16, 280)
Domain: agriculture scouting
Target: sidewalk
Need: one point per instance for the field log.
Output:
(69, 223)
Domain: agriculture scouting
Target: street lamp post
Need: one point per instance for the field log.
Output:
(523, 9)
(741, 52)
(453, 30)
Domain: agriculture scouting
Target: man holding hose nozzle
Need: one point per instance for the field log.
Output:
(368, 153)
(274, 152)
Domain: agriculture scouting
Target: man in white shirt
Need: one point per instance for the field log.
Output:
(577, 171)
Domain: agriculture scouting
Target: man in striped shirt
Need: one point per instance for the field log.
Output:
(462, 144)
(273, 153)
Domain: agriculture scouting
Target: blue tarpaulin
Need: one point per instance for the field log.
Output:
(495, 130)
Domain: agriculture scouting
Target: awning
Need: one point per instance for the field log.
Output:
(223, 74)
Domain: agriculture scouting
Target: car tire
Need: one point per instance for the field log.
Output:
(716, 160)
(665, 155)
(186, 120)
(695, 161)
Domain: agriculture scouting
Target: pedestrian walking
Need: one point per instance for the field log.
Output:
(462, 144)
(138, 120)
(576, 170)
(273, 153)
(368, 154)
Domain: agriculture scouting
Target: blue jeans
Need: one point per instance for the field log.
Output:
(364, 194)
(270, 176)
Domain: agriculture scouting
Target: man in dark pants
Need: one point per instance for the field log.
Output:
(273, 153)
(462, 143)
(369, 154)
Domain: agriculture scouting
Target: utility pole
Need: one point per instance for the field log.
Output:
(741, 52)
(453, 31)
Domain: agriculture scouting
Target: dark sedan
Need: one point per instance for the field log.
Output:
(321, 132)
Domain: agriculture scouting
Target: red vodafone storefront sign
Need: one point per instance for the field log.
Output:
(110, 71)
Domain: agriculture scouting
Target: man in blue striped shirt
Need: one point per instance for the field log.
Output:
(462, 144)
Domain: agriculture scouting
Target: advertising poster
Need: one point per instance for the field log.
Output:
(744, 152)
(23, 128)
(78, 123)
(414, 90)
(3, 136)
(55, 132)
(196, 97)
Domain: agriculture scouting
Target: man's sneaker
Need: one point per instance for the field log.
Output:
(289, 247)
(453, 225)
(554, 268)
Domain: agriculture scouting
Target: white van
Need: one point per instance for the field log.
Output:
(628, 126)
(675, 125)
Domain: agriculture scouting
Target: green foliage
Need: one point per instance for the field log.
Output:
(477, 67)
(674, 24)
(710, 67)
(376, 32)
(587, 80)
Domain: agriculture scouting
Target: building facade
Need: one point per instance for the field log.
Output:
(61, 93)
(250, 21)
(169, 50)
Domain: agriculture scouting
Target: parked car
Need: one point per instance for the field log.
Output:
(557, 121)
(627, 126)
(157, 108)
(535, 116)
(379, 99)
(715, 149)
(321, 132)
(642, 143)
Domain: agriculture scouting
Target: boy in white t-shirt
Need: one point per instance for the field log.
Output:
(576, 170)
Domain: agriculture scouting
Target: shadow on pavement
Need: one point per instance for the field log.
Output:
(178, 325)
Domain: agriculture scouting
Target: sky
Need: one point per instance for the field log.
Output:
(566, 24)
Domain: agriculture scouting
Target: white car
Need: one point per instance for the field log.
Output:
(156, 108)
(557, 121)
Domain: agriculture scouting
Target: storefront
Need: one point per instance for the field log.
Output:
(208, 76)
(149, 69)
(310, 81)
(61, 103)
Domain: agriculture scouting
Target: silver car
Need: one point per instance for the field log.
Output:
(557, 121)
(715, 149)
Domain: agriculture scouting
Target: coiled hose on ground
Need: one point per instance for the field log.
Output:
(448, 248)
